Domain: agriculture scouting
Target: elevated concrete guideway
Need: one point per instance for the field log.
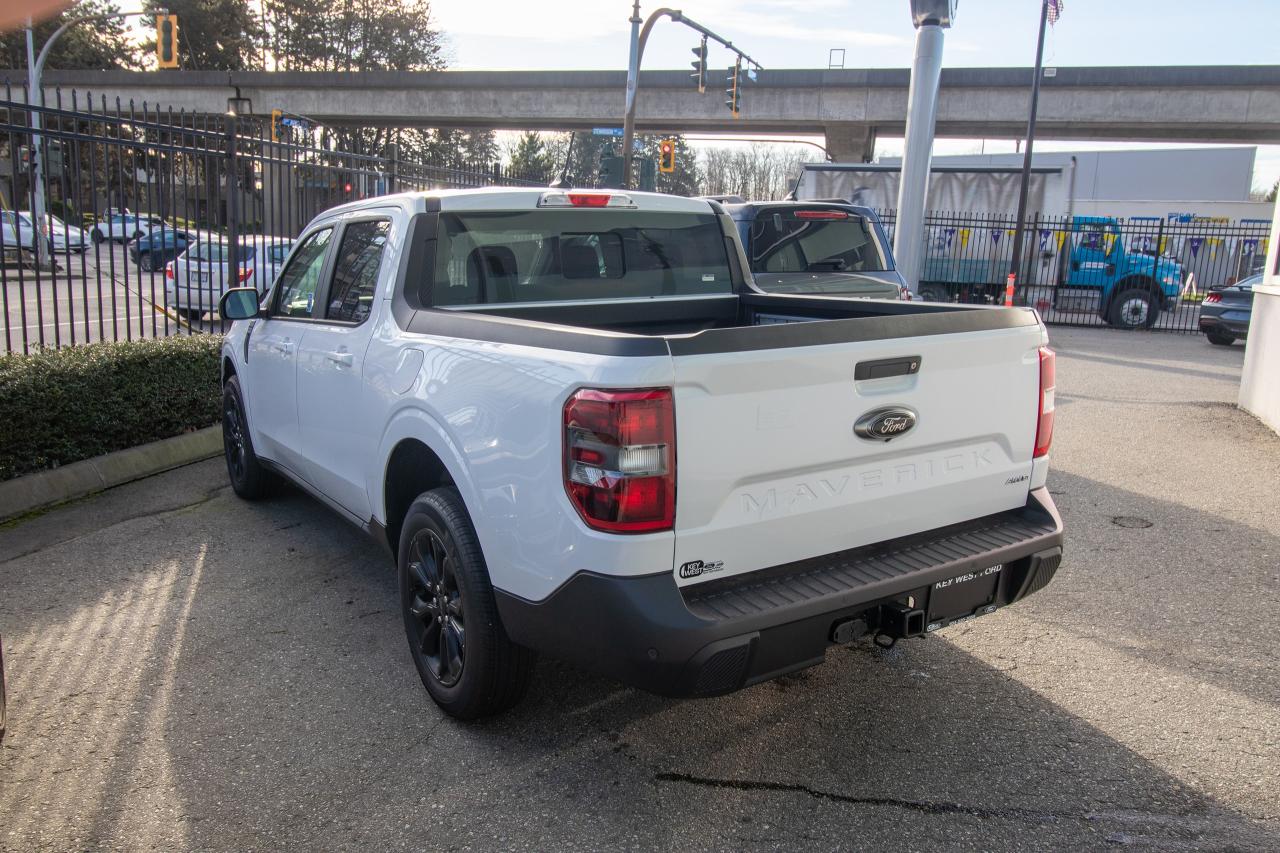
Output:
(1239, 104)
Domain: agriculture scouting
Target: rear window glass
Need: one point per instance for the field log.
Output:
(216, 253)
(545, 255)
(789, 241)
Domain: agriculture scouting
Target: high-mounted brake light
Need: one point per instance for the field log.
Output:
(1044, 421)
(585, 199)
(620, 458)
(821, 214)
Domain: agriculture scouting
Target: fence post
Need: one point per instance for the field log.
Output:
(393, 166)
(233, 204)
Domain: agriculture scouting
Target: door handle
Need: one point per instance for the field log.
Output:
(283, 347)
(342, 358)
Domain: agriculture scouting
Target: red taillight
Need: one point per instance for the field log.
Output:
(168, 271)
(589, 199)
(821, 214)
(1044, 423)
(246, 273)
(620, 458)
(1213, 297)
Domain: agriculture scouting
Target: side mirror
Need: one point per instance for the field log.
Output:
(239, 303)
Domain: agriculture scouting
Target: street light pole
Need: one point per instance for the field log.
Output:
(1016, 261)
(35, 102)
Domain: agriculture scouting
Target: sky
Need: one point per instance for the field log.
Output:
(593, 34)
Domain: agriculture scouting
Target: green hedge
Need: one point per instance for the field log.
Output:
(60, 406)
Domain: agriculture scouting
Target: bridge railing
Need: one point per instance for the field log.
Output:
(111, 173)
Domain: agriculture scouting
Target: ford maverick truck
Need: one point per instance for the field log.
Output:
(582, 431)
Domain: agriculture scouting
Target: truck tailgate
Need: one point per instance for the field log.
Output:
(770, 470)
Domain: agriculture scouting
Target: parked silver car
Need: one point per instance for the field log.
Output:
(1225, 312)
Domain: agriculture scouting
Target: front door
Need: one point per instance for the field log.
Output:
(273, 355)
(338, 442)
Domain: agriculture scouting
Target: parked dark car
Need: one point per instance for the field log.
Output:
(1225, 312)
(832, 248)
(152, 251)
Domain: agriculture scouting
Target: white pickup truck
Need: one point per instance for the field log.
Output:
(582, 431)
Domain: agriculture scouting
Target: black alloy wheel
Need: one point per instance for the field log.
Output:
(147, 262)
(248, 478)
(434, 605)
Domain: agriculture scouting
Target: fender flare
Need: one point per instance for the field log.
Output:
(412, 421)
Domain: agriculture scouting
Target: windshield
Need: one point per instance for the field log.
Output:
(543, 255)
(813, 241)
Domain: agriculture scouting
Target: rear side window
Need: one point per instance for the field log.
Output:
(814, 241)
(355, 272)
(297, 284)
(545, 255)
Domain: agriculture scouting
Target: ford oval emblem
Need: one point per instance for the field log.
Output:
(885, 424)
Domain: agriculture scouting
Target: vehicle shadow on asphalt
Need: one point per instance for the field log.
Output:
(235, 675)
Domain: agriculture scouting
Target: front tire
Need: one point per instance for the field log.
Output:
(1134, 308)
(147, 262)
(249, 479)
(463, 656)
(934, 293)
(97, 236)
(1220, 339)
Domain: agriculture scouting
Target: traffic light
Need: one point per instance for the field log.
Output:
(732, 90)
(277, 125)
(667, 155)
(166, 41)
(700, 66)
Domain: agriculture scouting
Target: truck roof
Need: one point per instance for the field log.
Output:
(521, 198)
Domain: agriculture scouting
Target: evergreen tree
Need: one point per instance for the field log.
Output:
(531, 159)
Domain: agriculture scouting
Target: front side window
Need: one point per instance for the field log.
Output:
(355, 271)
(814, 241)
(545, 255)
(298, 282)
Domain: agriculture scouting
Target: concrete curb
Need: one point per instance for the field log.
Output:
(43, 488)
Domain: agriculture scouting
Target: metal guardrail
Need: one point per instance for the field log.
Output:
(188, 179)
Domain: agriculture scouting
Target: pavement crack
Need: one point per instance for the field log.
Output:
(923, 806)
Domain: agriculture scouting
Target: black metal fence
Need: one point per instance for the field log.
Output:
(127, 189)
(1134, 272)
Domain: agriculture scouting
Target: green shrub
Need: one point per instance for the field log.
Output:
(60, 406)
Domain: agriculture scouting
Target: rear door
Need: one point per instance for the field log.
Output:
(770, 469)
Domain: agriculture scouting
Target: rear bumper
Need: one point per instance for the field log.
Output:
(1222, 324)
(719, 636)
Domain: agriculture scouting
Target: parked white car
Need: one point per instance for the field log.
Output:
(583, 430)
(197, 278)
(123, 227)
(61, 236)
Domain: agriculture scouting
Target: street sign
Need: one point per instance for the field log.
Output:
(606, 131)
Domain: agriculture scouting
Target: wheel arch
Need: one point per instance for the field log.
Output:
(417, 455)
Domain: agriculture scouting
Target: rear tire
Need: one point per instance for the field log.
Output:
(467, 663)
(1134, 308)
(934, 293)
(97, 236)
(192, 315)
(249, 479)
(1220, 339)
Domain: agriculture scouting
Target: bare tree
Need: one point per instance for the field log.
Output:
(761, 171)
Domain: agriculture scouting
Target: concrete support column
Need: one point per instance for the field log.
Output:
(922, 112)
(851, 143)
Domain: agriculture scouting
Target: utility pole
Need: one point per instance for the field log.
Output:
(639, 37)
(931, 18)
(1016, 261)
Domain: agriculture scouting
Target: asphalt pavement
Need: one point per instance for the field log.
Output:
(190, 671)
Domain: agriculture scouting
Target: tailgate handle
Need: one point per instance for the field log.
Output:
(907, 365)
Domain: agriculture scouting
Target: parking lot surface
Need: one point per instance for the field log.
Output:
(189, 671)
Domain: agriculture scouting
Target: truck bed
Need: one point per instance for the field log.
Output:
(704, 324)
